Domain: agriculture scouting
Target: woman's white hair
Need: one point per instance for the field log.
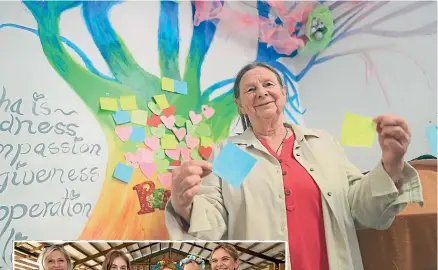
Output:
(47, 251)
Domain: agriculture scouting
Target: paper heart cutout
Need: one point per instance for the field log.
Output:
(182, 144)
(175, 163)
(192, 142)
(195, 118)
(173, 153)
(123, 132)
(159, 131)
(169, 111)
(179, 133)
(148, 169)
(185, 153)
(179, 121)
(158, 155)
(144, 155)
(169, 122)
(207, 111)
(205, 152)
(154, 121)
(165, 179)
(195, 155)
(203, 130)
(154, 108)
(132, 159)
(153, 143)
(190, 127)
(162, 165)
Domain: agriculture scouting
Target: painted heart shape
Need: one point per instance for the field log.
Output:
(153, 143)
(74, 196)
(205, 152)
(191, 141)
(179, 133)
(165, 179)
(154, 108)
(207, 111)
(159, 131)
(195, 118)
(37, 96)
(173, 153)
(20, 237)
(148, 169)
(123, 132)
(169, 122)
(175, 163)
(169, 111)
(154, 121)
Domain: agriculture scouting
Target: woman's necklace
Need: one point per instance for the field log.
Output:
(287, 132)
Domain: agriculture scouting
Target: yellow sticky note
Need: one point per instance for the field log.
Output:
(109, 104)
(139, 117)
(161, 101)
(206, 141)
(128, 103)
(168, 142)
(167, 84)
(357, 130)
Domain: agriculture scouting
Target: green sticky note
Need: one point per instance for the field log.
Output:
(358, 131)
(128, 103)
(109, 104)
(167, 84)
(206, 141)
(168, 142)
(161, 101)
(139, 117)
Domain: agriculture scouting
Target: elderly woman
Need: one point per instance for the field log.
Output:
(192, 262)
(224, 256)
(116, 260)
(302, 188)
(54, 258)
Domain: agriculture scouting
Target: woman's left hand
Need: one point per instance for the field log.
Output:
(394, 138)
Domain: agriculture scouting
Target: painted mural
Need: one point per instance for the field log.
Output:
(153, 123)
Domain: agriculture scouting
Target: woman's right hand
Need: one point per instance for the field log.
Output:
(186, 183)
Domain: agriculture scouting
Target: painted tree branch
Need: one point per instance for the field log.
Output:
(168, 40)
(114, 51)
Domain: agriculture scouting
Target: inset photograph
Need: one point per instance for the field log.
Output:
(146, 255)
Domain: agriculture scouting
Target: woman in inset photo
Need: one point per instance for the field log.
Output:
(116, 260)
(54, 258)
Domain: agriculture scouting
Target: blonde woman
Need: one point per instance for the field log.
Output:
(166, 264)
(54, 258)
(224, 256)
(192, 262)
(116, 260)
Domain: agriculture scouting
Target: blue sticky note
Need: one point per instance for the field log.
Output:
(123, 172)
(121, 117)
(432, 134)
(233, 164)
(138, 134)
(180, 87)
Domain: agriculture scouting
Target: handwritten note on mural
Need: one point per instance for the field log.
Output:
(358, 131)
(38, 180)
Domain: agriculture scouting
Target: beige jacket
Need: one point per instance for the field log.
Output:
(257, 211)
